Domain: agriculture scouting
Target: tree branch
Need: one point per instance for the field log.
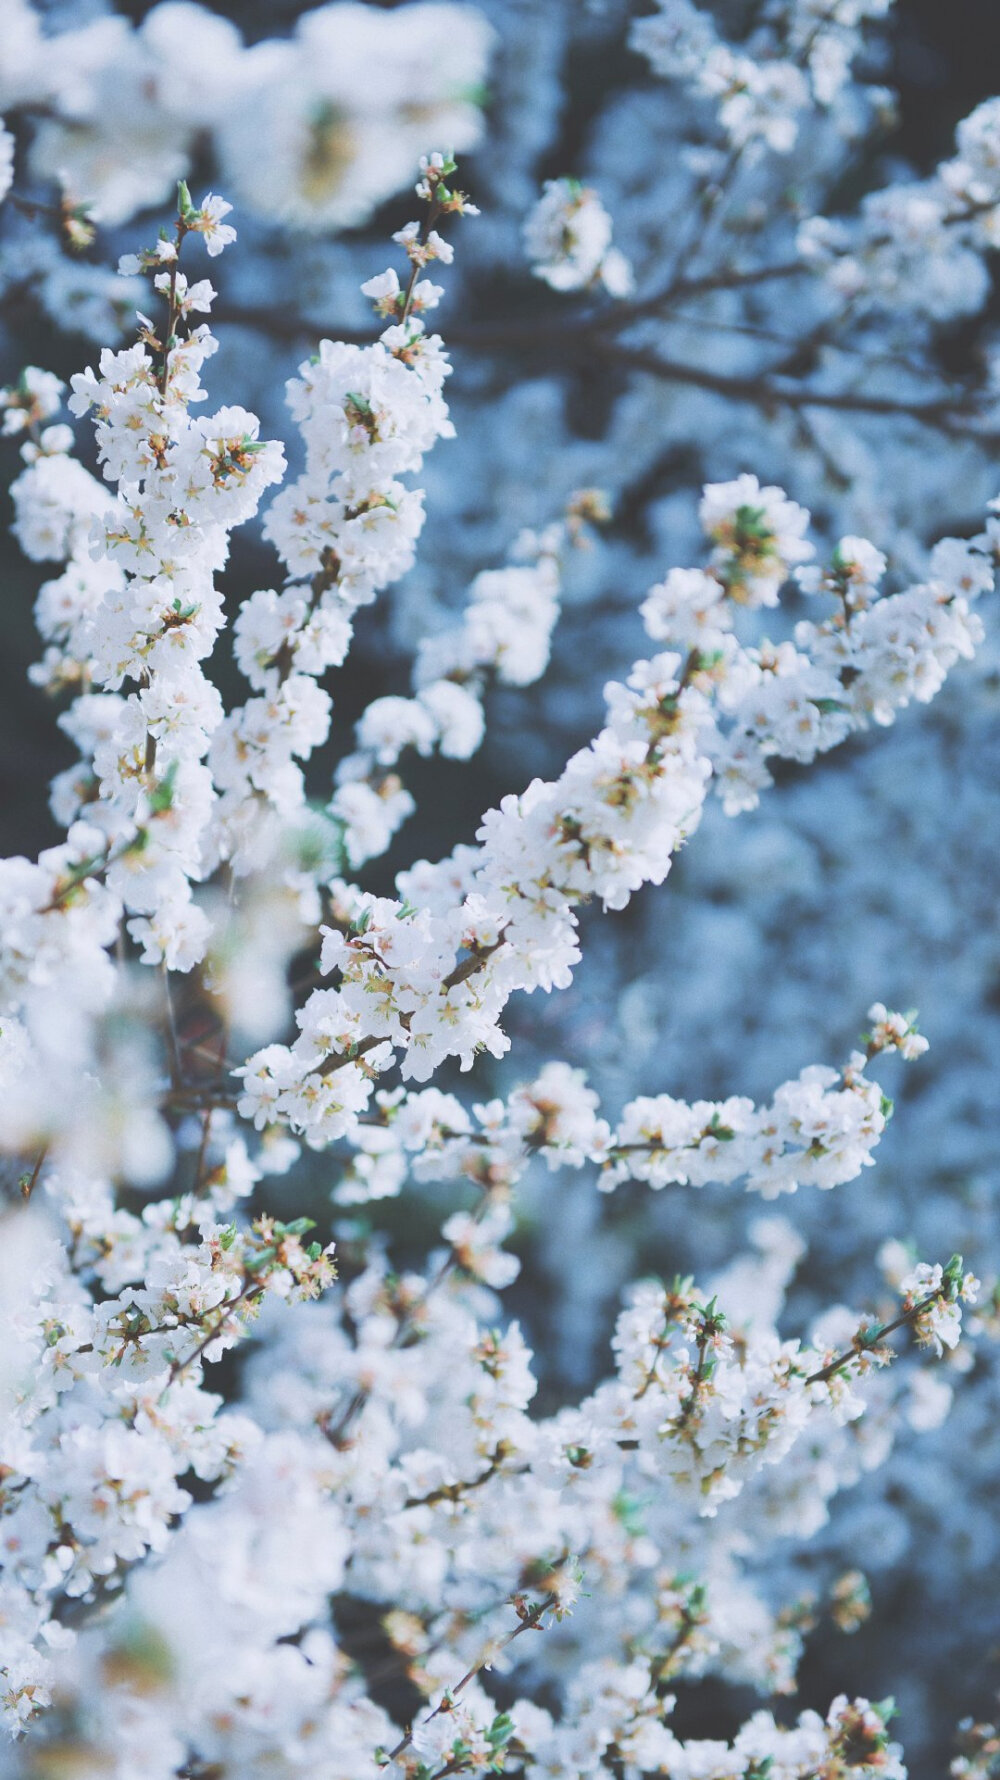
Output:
(877, 1334)
(766, 393)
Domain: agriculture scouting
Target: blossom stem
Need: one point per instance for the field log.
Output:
(251, 1289)
(452, 1492)
(30, 1181)
(872, 1337)
(172, 307)
(175, 1053)
(690, 1403)
(530, 1622)
(434, 211)
(336, 1433)
(764, 393)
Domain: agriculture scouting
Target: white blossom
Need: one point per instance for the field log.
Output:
(258, 1519)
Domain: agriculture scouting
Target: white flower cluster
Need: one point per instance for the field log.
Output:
(567, 237)
(405, 1473)
(183, 483)
(296, 124)
(345, 529)
(427, 978)
(104, 1405)
(920, 244)
(875, 653)
(622, 1718)
(314, 1571)
(820, 1130)
(504, 634)
(799, 57)
(431, 981)
(934, 1297)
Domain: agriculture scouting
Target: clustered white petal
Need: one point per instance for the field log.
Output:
(212, 1583)
(568, 239)
(293, 122)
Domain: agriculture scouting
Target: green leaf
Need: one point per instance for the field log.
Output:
(953, 1276)
(161, 798)
(628, 1511)
(256, 1263)
(724, 1133)
(752, 522)
(501, 1730)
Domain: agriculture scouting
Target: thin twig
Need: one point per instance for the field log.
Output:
(872, 1337)
(245, 1295)
(531, 1622)
(546, 330)
(453, 1492)
(336, 1432)
(173, 314)
(764, 392)
(176, 1076)
(690, 1403)
(30, 1181)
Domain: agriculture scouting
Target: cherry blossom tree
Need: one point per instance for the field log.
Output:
(283, 1488)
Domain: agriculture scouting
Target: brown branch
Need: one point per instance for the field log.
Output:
(530, 1622)
(30, 1181)
(336, 1432)
(78, 874)
(623, 314)
(176, 1074)
(869, 1340)
(245, 1295)
(190, 1098)
(416, 267)
(764, 392)
(690, 1403)
(172, 307)
(206, 1118)
(470, 966)
(461, 974)
(589, 332)
(541, 330)
(453, 1492)
(340, 1059)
